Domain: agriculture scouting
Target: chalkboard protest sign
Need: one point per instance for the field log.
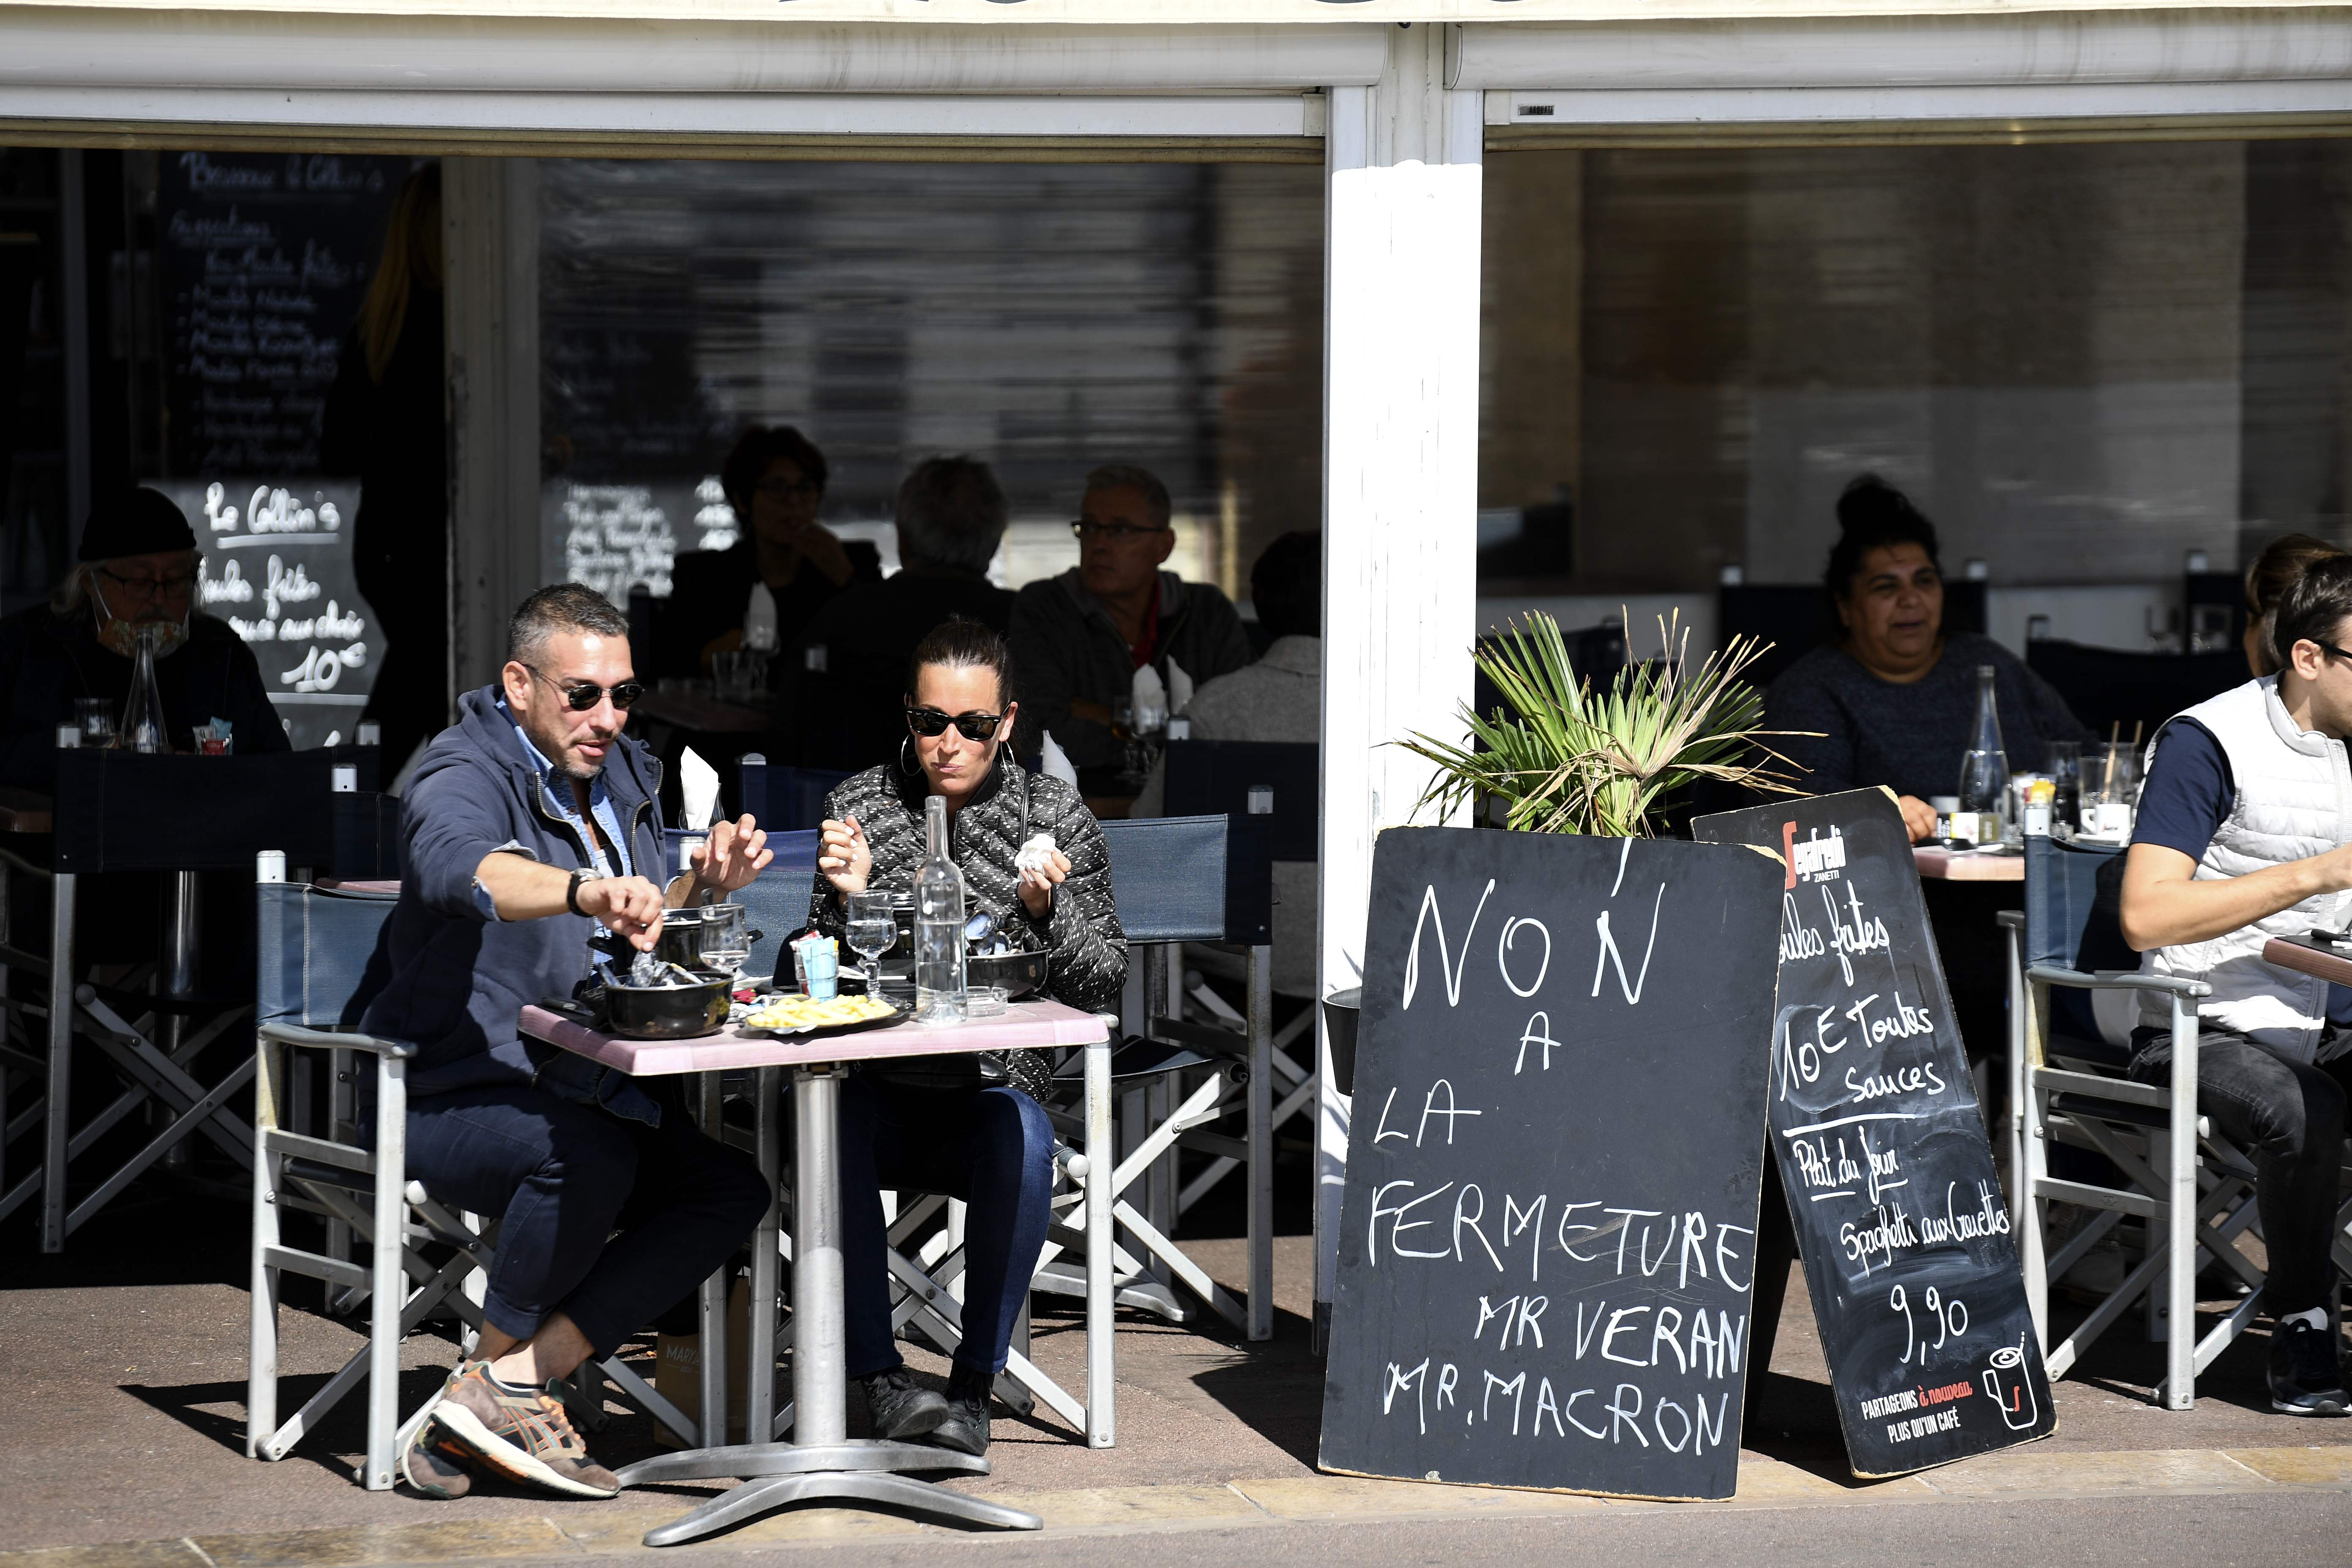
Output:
(1554, 1163)
(1898, 1214)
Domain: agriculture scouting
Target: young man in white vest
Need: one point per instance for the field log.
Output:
(2245, 833)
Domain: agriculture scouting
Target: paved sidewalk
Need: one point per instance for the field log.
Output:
(126, 1408)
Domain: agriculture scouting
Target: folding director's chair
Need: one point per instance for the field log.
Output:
(1280, 782)
(320, 959)
(1180, 879)
(2189, 1187)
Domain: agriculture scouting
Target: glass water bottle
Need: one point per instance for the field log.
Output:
(142, 728)
(1984, 769)
(939, 925)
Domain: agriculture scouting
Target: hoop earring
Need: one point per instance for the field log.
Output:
(909, 762)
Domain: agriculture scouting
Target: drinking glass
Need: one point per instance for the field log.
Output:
(2066, 777)
(873, 928)
(739, 675)
(725, 942)
(2111, 787)
(95, 715)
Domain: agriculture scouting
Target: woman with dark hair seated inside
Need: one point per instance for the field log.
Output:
(774, 478)
(1894, 698)
(972, 1127)
(1896, 703)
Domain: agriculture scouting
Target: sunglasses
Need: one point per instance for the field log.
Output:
(1118, 533)
(929, 721)
(581, 696)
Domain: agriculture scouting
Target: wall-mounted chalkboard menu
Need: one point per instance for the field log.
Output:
(1906, 1243)
(1554, 1163)
(278, 568)
(265, 260)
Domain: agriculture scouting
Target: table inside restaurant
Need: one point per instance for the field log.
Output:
(1941, 864)
(821, 1463)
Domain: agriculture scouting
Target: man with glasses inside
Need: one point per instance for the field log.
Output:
(1078, 638)
(532, 827)
(138, 566)
(2242, 835)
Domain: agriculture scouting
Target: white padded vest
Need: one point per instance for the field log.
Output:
(2293, 801)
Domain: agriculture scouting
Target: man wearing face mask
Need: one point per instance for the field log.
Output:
(137, 567)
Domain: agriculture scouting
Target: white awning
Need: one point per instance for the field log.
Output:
(360, 75)
(2119, 66)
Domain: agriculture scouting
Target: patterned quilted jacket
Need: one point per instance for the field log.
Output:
(1082, 931)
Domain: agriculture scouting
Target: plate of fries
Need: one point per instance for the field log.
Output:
(791, 1014)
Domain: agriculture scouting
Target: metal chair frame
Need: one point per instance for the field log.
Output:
(2190, 1186)
(362, 1191)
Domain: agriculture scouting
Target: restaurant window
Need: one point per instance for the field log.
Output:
(2090, 364)
(1044, 318)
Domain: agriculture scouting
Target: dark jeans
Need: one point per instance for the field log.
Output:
(565, 1177)
(2290, 1117)
(993, 1148)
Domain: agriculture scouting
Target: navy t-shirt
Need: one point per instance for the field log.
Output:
(2189, 794)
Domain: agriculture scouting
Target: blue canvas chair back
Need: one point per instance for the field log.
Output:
(787, 799)
(1279, 780)
(322, 954)
(2073, 896)
(1192, 878)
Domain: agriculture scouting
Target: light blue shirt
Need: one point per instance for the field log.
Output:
(555, 790)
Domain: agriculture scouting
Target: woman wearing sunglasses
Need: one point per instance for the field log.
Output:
(971, 1126)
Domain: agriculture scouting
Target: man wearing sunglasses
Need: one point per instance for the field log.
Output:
(138, 566)
(1079, 638)
(2243, 833)
(532, 828)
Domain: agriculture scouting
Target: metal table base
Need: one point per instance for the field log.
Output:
(822, 1463)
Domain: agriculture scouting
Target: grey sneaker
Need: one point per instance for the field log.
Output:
(965, 1430)
(899, 1408)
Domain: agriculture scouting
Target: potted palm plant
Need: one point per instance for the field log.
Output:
(1561, 756)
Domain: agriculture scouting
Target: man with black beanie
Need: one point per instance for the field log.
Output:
(137, 567)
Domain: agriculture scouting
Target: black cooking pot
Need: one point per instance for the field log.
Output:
(667, 1012)
(1018, 972)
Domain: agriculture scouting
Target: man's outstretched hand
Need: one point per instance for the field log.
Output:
(733, 857)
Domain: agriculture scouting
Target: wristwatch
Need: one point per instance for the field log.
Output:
(571, 889)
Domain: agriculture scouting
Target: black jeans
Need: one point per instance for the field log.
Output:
(566, 1177)
(993, 1148)
(2290, 1117)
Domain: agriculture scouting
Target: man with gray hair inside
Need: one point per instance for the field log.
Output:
(849, 669)
(1078, 638)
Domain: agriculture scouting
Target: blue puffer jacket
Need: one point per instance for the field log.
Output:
(456, 979)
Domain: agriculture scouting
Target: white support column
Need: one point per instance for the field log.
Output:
(489, 210)
(1401, 470)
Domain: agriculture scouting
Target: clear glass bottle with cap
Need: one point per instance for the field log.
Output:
(142, 728)
(1984, 769)
(938, 924)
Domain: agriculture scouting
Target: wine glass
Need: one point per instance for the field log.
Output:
(724, 941)
(873, 928)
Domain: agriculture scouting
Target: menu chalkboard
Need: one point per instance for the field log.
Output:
(277, 567)
(1898, 1213)
(1554, 1163)
(265, 259)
